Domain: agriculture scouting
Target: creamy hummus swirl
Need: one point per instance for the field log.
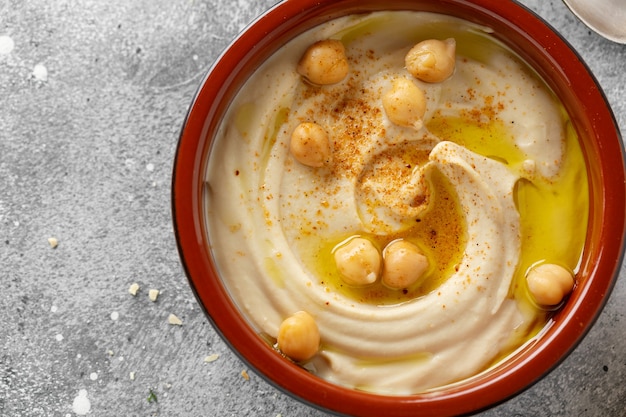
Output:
(470, 306)
(269, 215)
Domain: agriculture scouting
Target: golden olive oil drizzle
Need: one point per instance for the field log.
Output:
(553, 222)
(442, 238)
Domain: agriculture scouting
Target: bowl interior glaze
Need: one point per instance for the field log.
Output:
(564, 72)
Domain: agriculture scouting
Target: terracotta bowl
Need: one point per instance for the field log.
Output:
(561, 68)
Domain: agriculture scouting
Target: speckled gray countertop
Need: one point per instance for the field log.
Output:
(92, 98)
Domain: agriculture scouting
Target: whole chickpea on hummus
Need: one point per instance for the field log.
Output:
(396, 201)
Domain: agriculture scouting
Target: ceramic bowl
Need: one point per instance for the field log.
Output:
(565, 73)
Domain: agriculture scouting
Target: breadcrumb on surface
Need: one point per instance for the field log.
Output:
(133, 289)
(211, 358)
(174, 320)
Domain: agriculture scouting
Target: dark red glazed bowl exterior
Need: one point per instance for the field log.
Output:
(570, 79)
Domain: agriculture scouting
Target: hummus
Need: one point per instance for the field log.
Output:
(492, 184)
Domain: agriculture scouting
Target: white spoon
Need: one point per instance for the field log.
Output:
(606, 17)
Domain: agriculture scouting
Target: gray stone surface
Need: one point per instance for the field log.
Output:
(86, 155)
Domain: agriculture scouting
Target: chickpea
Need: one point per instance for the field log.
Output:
(404, 264)
(324, 62)
(309, 145)
(299, 337)
(549, 283)
(405, 103)
(358, 262)
(432, 60)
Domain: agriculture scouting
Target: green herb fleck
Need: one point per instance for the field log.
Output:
(152, 397)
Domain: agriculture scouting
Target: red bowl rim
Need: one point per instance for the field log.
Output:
(562, 68)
